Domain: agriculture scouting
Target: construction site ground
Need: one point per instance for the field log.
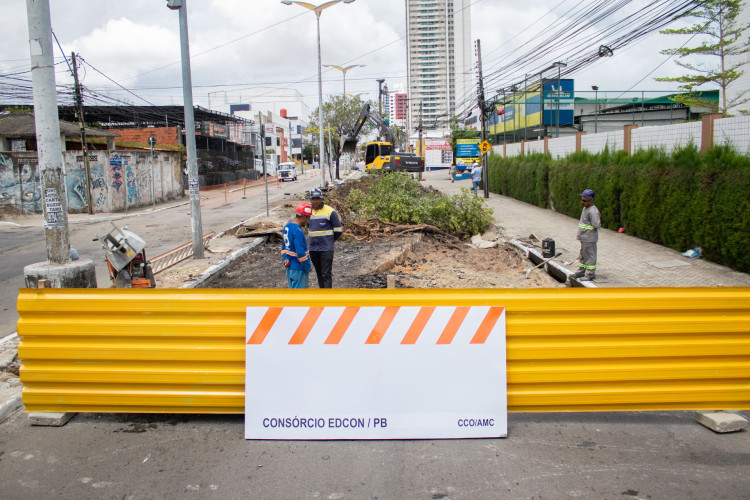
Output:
(417, 260)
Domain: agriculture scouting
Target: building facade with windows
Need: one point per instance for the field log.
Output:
(438, 60)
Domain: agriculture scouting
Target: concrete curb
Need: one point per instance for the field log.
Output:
(552, 268)
(8, 406)
(216, 268)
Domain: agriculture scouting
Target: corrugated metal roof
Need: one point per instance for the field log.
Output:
(22, 126)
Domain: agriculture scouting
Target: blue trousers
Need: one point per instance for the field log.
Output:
(475, 186)
(296, 278)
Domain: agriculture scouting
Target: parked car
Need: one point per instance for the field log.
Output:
(287, 171)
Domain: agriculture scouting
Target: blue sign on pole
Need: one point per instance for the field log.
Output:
(467, 148)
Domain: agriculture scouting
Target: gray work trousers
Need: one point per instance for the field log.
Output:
(587, 266)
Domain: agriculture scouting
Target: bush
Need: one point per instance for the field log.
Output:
(680, 200)
(396, 197)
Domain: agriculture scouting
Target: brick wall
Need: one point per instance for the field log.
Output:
(164, 135)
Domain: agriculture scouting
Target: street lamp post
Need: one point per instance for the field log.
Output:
(596, 108)
(318, 10)
(559, 65)
(380, 95)
(192, 160)
(344, 70)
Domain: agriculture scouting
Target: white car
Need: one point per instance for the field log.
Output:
(287, 171)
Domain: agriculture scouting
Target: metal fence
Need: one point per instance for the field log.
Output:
(183, 351)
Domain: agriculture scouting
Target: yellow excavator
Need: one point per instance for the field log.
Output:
(381, 156)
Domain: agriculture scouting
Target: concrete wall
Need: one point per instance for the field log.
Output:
(120, 180)
(669, 137)
(734, 132)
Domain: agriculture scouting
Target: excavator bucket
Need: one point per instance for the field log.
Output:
(348, 144)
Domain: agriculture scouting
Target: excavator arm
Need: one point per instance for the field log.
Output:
(349, 141)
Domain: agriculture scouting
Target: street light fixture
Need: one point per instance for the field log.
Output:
(559, 65)
(344, 70)
(318, 10)
(596, 108)
(192, 157)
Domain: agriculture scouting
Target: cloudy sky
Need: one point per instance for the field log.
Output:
(237, 44)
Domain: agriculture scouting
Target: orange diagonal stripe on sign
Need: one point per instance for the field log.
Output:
(415, 330)
(382, 325)
(339, 329)
(259, 335)
(303, 330)
(488, 323)
(453, 324)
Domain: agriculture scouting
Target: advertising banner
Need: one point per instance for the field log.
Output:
(411, 372)
(438, 154)
(522, 109)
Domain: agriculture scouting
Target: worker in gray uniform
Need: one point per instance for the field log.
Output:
(588, 235)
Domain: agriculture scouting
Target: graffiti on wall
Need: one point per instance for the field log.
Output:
(20, 183)
(132, 186)
(75, 184)
(119, 180)
(115, 172)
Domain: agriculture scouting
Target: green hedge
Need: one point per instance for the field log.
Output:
(680, 200)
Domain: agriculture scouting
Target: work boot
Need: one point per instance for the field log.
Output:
(590, 277)
(580, 274)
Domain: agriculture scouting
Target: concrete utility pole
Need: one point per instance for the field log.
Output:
(482, 113)
(48, 139)
(84, 146)
(192, 159)
(58, 271)
(262, 133)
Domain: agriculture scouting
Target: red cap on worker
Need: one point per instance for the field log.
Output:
(304, 209)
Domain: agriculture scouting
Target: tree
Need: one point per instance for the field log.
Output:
(339, 115)
(717, 20)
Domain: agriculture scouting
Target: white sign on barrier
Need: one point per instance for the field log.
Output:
(375, 372)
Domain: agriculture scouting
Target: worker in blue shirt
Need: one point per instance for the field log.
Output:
(294, 248)
(324, 228)
(476, 176)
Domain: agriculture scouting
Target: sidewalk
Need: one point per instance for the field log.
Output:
(623, 261)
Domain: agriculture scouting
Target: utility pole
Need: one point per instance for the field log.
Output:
(421, 153)
(79, 112)
(192, 159)
(48, 139)
(262, 133)
(482, 115)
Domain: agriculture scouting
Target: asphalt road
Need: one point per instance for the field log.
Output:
(624, 456)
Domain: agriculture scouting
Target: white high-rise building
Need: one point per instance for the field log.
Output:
(439, 60)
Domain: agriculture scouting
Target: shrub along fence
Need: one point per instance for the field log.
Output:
(680, 199)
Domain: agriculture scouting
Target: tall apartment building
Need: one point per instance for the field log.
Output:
(438, 59)
(399, 110)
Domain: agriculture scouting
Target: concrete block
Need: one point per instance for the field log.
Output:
(50, 419)
(7, 358)
(720, 421)
(77, 274)
(8, 406)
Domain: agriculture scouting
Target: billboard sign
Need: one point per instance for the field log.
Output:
(467, 148)
(523, 108)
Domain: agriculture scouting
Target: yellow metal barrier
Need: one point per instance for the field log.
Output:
(183, 351)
